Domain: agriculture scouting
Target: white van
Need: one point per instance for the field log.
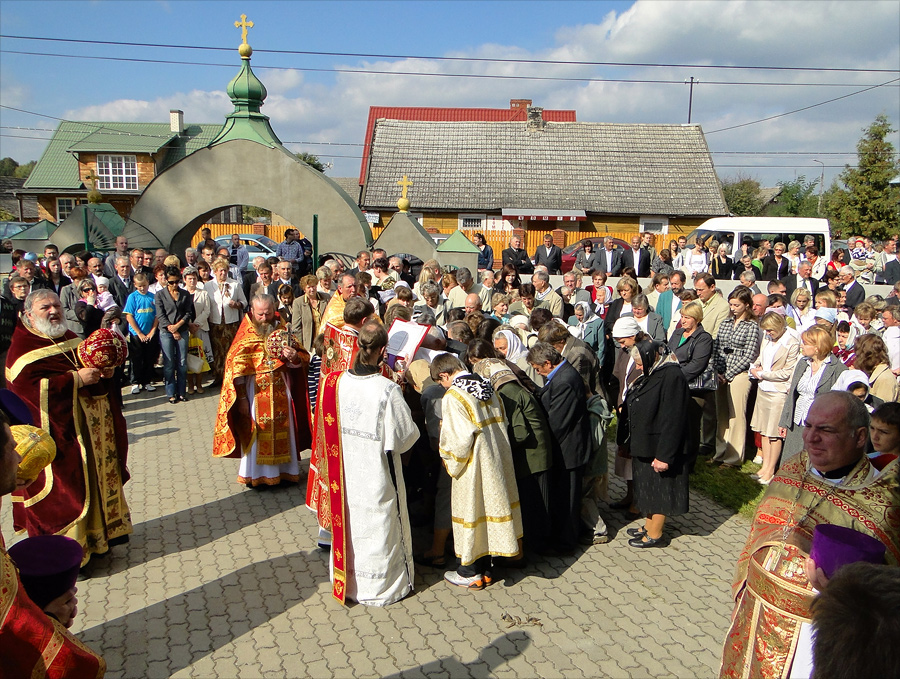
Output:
(734, 231)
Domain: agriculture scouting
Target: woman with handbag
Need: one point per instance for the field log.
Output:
(734, 350)
(199, 346)
(773, 368)
(693, 346)
(653, 427)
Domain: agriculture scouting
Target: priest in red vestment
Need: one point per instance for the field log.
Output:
(81, 493)
(263, 415)
(35, 642)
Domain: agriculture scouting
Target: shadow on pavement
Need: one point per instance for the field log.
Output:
(197, 526)
(186, 628)
(494, 655)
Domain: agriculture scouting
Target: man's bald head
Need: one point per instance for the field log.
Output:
(836, 431)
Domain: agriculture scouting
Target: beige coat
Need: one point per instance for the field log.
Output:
(302, 322)
(883, 384)
(783, 366)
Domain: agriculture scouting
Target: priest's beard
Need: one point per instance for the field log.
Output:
(49, 328)
(263, 329)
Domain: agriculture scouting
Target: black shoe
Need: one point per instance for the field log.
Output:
(640, 543)
(121, 540)
(182, 399)
(637, 532)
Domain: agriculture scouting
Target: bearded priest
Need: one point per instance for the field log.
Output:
(263, 415)
(81, 493)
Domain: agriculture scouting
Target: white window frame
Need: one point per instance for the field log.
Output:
(462, 220)
(117, 172)
(75, 202)
(664, 230)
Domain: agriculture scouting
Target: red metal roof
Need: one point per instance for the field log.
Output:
(427, 113)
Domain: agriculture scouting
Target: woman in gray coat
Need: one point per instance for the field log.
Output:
(816, 372)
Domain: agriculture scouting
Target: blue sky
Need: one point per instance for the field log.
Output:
(315, 110)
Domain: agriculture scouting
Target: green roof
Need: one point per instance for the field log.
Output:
(458, 242)
(58, 168)
(42, 230)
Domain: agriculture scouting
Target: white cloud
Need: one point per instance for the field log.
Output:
(859, 35)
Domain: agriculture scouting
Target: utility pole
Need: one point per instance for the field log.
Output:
(691, 97)
(821, 185)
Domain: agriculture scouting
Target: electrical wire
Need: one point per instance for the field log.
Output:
(816, 69)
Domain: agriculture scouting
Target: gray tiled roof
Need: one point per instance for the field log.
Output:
(350, 185)
(597, 167)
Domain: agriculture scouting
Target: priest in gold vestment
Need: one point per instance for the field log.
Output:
(263, 414)
(830, 482)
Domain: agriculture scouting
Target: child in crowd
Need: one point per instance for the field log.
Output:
(884, 431)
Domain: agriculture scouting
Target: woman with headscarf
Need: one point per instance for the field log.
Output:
(510, 346)
(653, 426)
(588, 327)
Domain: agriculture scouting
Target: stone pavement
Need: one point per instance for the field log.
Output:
(223, 581)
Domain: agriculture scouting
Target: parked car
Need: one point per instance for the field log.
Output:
(569, 252)
(257, 246)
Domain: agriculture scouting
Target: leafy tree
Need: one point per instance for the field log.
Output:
(865, 203)
(7, 216)
(24, 171)
(742, 196)
(8, 167)
(253, 214)
(311, 160)
(797, 199)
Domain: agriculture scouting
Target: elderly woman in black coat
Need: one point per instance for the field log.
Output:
(693, 347)
(654, 427)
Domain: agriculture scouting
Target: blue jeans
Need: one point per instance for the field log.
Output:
(174, 362)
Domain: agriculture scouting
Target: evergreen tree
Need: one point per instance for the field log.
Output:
(865, 203)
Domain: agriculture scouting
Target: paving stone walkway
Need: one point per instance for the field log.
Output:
(223, 581)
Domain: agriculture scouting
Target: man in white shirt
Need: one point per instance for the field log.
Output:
(891, 335)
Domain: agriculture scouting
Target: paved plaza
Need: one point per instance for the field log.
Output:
(223, 581)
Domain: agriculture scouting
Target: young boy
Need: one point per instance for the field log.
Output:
(884, 430)
(140, 312)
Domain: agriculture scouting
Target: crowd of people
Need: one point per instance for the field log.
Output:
(494, 430)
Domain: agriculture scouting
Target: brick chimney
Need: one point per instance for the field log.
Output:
(519, 104)
(176, 121)
(535, 119)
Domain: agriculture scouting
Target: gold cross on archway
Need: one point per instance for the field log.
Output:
(405, 183)
(92, 177)
(243, 24)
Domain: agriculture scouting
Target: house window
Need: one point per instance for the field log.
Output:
(473, 222)
(117, 172)
(65, 206)
(654, 224)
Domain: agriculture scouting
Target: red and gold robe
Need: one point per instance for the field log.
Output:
(340, 349)
(233, 435)
(32, 644)
(81, 493)
(772, 592)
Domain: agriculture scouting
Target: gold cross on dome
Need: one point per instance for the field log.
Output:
(405, 183)
(243, 24)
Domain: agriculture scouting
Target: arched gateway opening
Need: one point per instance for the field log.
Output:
(245, 165)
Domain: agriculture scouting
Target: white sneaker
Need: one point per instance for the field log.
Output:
(136, 389)
(149, 387)
(474, 582)
(758, 459)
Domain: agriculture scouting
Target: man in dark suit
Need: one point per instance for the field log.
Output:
(121, 285)
(515, 254)
(285, 277)
(892, 272)
(609, 258)
(802, 279)
(855, 292)
(549, 255)
(637, 258)
(363, 259)
(563, 398)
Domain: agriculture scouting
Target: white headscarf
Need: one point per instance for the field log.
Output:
(578, 329)
(514, 347)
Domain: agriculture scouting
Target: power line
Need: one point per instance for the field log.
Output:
(805, 108)
(462, 59)
(476, 76)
